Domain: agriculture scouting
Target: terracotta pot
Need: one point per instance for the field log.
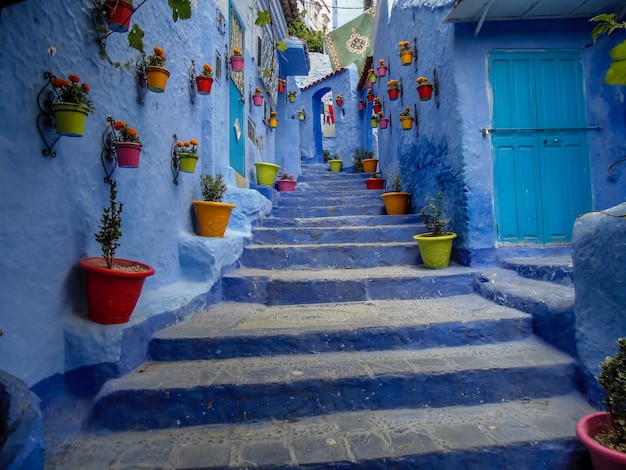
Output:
(112, 294)
(393, 93)
(119, 13)
(602, 457)
(128, 154)
(204, 84)
(157, 78)
(213, 217)
(425, 91)
(369, 165)
(286, 185)
(396, 202)
(375, 183)
(236, 63)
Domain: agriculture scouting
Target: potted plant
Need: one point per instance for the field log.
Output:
(236, 60)
(339, 100)
(266, 173)
(370, 95)
(335, 163)
(187, 154)
(359, 157)
(604, 433)
(118, 13)
(375, 181)
(291, 96)
(157, 74)
(396, 201)
(424, 89)
(281, 85)
(374, 120)
(286, 182)
(377, 105)
(204, 81)
(382, 68)
(257, 97)
(127, 145)
(393, 89)
(383, 122)
(211, 213)
(406, 120)
(405, 52)
(361, 104)
(436, 245)
(326, 154)
(113, 284)
(273, 121)
(71, 106)
(301, 114)
(371, 76)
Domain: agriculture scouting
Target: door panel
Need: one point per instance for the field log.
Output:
(236, 101)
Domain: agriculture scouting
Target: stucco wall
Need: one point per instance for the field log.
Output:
(51, 206)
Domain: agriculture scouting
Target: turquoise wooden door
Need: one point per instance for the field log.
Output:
(236, 93)
(541, 160)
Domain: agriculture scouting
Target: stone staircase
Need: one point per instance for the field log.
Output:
(334, 348)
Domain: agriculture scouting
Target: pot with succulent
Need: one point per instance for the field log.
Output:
(424, 89)
(71, 106)
(204, 81)
(396, 201)
(126, 144)
(335, 163)
(435, 246)
(187, 154)
(286, 182)
(291, 96)
(378, 106)
(406, 120)
(156, 73)
(382, 68)
(257, 97)
(113, 284)
(405, 52)
(604, 433)
(236, 60)
(393, 89)
(211, 213)
(375, 181)
(118, 13)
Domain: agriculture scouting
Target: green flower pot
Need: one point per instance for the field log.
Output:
(435, 251)
(69, 119)
(266, 173)
(335, 165)
(187, 162)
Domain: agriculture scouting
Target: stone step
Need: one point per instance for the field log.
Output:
(230, 330)
(526, 433)
(331, 255)
(337, 198)
(330, 211)
(328, 235)
(287, 387)
(558, 269)
(342, 221)
(282, 287)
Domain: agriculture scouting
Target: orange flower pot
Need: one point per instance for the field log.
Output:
(213, 217)
(369, 165)
(396, 202)
(406, 122)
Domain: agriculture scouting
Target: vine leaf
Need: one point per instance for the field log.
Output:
(135, 38)
(263, 18)
(281, 46)
(181, 9)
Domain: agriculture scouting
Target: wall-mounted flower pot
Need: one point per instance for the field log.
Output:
(382, 71)
(301, 116)
(339, 102)
(406, 57)
(111, 293)
(425, 91)
(128, 154)
(378, 108)
(118, 14)
(396, 202)
(335, 165)
(273, 122)
(435, 251)
(393, 93)
(406, 122)
(370, 98)
(374, 123)
(204, 84)
(266, 173)
(369, 165)
(281, 88)
(213, 217)
(291, 98)
(375, 183)
(286, 185)
(236, 63)
(69, 119)
(157, 78)
(383, 123)
(372, 78)
(187, 162)
(361, 106)
(257, 100)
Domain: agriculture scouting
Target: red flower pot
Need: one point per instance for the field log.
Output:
(257, 100)
(204, 84)
(425, 91)
(112, 294)
(378, 108)
(393, 93)
(375, 183)
(286, 185)
(339, 102)
(383, 123)
(601, 457)
(128, 154)
(281, 88)
(370, 98)
(236, 63)
(119, 13)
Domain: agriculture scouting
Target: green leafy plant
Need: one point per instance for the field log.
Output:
(213, 188)
(374, 175)
(607, 24)
(69, 91)
(110, 227)
(336, 156)
(358, 156)
(326, 155)
(313, 39)
(432, 214)
(396, 181)
(612, 378)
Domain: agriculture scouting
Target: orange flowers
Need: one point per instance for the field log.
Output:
(126, 134)
(69, 91)
(404, 46)
(207, 70)
(187, 147)
(237, 52)
(406, 112)
(158, 58)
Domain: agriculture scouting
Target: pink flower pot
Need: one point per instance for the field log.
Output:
(286, 185)
(236, 63)
(128, 154)
(257, 100)
(602, 457)
(382, 71)
(383, 123)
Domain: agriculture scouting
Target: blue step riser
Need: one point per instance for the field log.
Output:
(332, 200)
(151, 409)
(320, 257)
(280, 292)
(330, 211)
(329, 235)
(351, 221)
(368, 339)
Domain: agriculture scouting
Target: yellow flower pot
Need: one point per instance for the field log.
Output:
(213, 217)
(406, 57)
(435, 251)
(157, 78)
(406, 122)
(273, 122)
(69, 119)
(266, 173)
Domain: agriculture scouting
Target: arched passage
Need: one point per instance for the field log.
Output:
(317, 108)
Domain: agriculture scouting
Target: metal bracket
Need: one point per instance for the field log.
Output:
(193, 90)
(45, 118)
(108, 157)
(175, 160)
